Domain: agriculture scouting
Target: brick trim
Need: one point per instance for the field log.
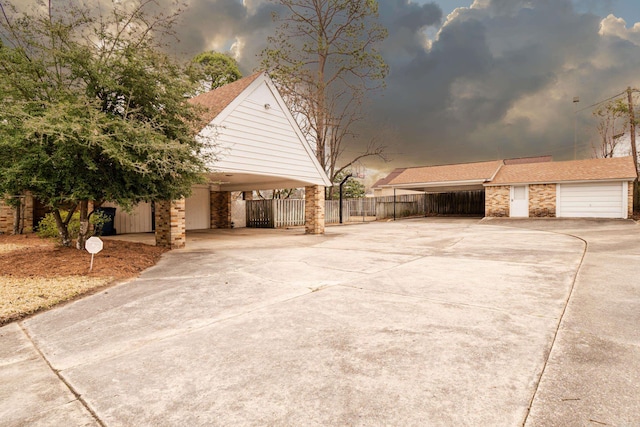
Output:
(170, 224)
(314, 209)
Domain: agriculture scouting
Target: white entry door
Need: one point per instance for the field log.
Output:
(519, 207)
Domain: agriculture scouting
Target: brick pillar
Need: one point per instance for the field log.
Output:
(630, 192)
(8, 214)
(220, 209)
(170, 224)
(314, 209)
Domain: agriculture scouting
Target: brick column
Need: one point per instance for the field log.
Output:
(220, 209)
(6, 218)
(8, 214)
(496, 201)
(630, 191)
(542, 200)
(170, 224)
(314, 209)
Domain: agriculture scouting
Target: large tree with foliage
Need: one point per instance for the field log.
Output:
(211, 70)
(323, 57)
(352, 188)
(92, 110)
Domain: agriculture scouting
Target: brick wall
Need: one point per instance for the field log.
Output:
(314, 209)
(220, 209)
(497, 201)
(542, 200)
(170, 224)
(7, 214)
(630, 198)
(6, 218)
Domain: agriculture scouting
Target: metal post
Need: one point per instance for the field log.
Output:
(349, 175)
(394, 204)
(576, 99)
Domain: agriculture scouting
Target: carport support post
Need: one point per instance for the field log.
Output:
(314, 209)
(170, 224)
(220, 209)
(394, 204)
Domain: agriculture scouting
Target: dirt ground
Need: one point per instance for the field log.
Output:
(36, 274)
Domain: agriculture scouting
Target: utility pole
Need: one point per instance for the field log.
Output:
(576, 99)
(632, 122)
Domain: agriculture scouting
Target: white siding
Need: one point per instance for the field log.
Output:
(594, 200)
(239, 213)
(137, 221)
(197, 209)
(258, 140)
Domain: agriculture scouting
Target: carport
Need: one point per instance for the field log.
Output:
(258, 146)
(449, 189)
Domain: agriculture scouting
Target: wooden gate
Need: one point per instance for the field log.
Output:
(260, 214)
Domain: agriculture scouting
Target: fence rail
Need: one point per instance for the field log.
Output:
(332, 211)
(290, 212)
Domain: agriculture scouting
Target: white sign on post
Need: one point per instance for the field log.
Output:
(93, 245)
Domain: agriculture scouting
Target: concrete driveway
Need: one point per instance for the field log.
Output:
(415, 322)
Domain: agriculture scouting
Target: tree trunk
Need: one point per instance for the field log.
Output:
(63, 230)
(17, 217)
(83, 233)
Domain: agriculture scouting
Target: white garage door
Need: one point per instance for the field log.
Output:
(597, 200)
(197, 209)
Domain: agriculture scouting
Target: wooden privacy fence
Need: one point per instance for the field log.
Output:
(290, 212)
(399, 206)
(460, 203)
(332, 211)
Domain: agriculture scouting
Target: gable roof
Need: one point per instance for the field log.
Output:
(388, 178)
(477, 172)
(617, 168)
(258, 143)
(218, 99)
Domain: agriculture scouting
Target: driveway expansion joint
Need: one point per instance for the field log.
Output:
(560, 320)
(58, 374)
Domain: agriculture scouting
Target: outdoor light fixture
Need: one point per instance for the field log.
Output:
(267, 106)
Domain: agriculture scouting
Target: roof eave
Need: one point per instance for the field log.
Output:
(572, 181)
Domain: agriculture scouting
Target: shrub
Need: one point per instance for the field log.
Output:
(47, 226)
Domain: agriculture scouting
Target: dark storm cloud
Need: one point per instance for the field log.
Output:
(498, 80)
(493, 80)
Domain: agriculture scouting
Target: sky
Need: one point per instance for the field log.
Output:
(470, 80)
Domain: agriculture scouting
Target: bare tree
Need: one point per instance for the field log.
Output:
(324, 60)
(613, 124)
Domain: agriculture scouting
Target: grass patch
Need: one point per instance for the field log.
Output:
(23, 296)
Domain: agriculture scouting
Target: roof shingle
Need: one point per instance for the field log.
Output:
(218, 99)
(574, 170)
(388, 178)
(479, 171)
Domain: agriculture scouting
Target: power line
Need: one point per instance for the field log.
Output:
(603, 101)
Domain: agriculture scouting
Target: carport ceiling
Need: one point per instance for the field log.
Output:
(229, 181)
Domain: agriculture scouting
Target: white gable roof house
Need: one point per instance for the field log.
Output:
(259, 146)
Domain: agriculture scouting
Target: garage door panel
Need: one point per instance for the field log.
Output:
(596, 200)
(197, 209)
